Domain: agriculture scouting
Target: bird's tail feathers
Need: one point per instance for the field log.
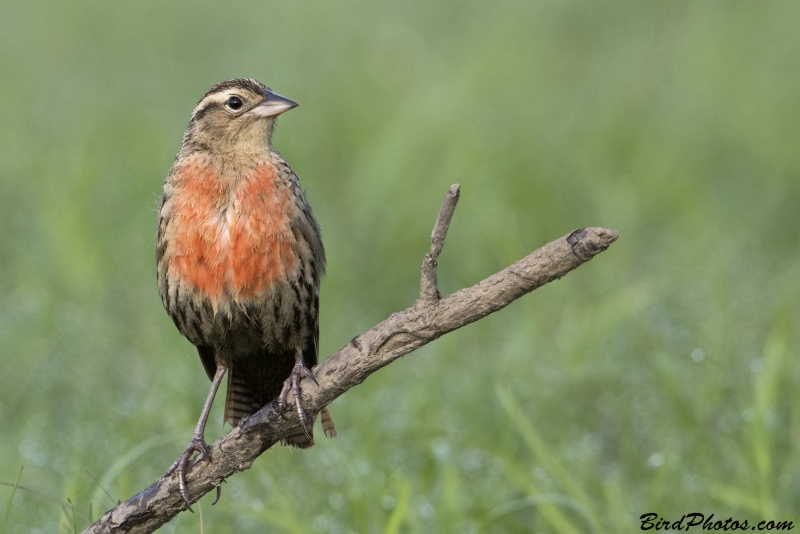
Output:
(298, 437)
(240, 400)
(327, 423)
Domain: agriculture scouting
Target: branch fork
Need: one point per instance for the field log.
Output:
(428, 285)
(430, 317)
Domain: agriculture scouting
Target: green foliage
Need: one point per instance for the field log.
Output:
(14, 489)
(661, 377)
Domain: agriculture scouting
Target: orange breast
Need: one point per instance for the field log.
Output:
(230, 237)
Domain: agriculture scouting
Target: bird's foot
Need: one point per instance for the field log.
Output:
(197, 444)
(219, 492)
(292, 384)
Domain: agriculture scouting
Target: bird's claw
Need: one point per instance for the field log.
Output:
(197, 444)
(292, 384)
(219, 492)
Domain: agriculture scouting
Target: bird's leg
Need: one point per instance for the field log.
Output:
(292, 384)
(197, 444)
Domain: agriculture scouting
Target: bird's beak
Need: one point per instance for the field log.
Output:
(272, 105)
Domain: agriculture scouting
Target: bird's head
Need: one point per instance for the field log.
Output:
(235, 116)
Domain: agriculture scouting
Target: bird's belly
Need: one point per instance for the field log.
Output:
(232, 261)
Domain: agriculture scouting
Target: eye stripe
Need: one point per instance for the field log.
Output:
(216, 99)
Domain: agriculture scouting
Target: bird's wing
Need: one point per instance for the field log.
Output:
(206, 353)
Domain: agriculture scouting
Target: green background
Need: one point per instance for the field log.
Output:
(660, 377)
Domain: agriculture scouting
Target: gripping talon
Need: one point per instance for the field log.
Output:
(282, 398)
(219, 492)
(172, 468)
(305, 372)
(295, 379)
(303, 424)
(182, 487)
(179, 466)
(292, 384)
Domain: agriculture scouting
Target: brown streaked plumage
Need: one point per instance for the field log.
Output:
(240, 258)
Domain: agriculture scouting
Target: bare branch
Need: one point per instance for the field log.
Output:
(428, 286)
(403, 332)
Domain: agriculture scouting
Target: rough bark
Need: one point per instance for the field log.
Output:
(430, 317)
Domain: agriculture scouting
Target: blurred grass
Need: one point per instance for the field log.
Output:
(658, 378)
(14, 489)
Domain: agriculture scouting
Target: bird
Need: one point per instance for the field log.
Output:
(239, 261)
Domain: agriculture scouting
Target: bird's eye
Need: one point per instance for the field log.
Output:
(234, 103)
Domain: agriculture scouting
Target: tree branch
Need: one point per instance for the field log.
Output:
(428, 286)
(430, 317)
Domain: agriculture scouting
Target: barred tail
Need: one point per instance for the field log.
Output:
(298, 438)
(327, 423)
(240, 400)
